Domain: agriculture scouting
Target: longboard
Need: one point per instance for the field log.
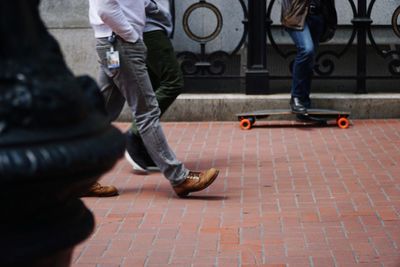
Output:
(321, 116)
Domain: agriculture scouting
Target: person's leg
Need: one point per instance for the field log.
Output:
(134, 82)
(316, 24)
(164, 70)
(303, 63)
(167, 81)
(161, 60)
(113, 98)
(113, 101)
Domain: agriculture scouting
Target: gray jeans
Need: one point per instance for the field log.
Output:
(134, 82)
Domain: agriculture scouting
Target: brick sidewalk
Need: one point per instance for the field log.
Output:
(286, 196)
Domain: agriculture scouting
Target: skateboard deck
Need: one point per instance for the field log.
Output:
(321, 116)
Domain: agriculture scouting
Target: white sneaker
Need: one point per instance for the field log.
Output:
(153, 169)
(136, 167)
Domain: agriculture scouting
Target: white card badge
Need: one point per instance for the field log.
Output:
(112, 59)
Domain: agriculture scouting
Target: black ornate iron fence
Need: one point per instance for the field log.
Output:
(203, 63)
(258, 27)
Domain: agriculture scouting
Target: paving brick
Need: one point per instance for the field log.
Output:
(322, 261)
(286, 196)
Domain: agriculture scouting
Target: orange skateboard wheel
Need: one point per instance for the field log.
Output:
(343, 123)
(245, 124)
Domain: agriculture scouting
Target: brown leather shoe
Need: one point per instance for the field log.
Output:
(98, 190)
(196, 181)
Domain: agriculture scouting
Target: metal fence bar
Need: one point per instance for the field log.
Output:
(362, 22)
(257, 81)
(259, 72)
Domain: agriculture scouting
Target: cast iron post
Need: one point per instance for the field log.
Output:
(257, 77)
(362, 23)
(55, 142)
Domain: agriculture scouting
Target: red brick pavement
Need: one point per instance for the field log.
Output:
(287, 195)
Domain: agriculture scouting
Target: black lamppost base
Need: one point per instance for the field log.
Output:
(55, 142)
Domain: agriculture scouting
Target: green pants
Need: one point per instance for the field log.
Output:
(164, 70)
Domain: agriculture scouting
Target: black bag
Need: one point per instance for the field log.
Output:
(328, 11)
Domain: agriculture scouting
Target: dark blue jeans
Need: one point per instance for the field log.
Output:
(306, 42)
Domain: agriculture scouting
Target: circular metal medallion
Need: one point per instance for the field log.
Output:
(395, 21)
(207, 37)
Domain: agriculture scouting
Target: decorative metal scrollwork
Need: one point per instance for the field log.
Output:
(203, 63)
(394, 63)
(395, 19)
(194, 36)
(323, 65)
(394, 66)
(193, 64)
(211, 60)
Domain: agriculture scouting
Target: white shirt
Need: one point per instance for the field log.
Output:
(126, 18)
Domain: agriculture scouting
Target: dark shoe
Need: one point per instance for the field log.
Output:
(306, 102)
(134, 152)
(150, 165)
(303, 118)
(196, 181)
(310, 119)
(137, 155)
(98, 190)
(136, 166)
(297, 106)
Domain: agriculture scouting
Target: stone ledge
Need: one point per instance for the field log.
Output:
(223, 107)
